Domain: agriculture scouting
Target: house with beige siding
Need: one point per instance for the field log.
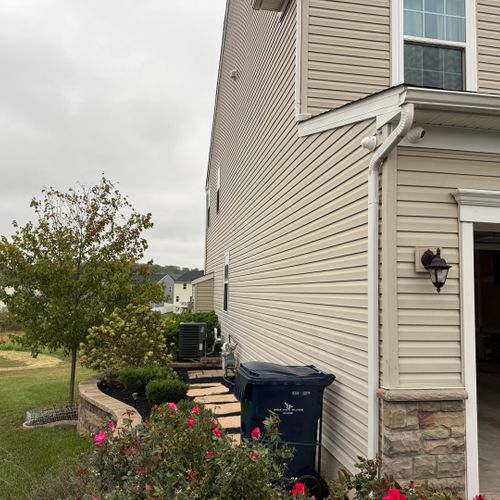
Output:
(348, 138)
(183, 291)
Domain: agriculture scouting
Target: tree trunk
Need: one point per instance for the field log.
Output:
(74, 352)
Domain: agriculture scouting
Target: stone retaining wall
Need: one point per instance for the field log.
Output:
(96, 408)
(424, 436)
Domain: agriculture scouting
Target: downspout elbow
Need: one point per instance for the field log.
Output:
(403, 127)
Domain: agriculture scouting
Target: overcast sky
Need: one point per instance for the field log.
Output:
(124, 87)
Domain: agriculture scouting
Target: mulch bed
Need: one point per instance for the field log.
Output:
(142, 405)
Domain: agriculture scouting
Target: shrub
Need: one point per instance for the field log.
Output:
(172, 322)
(136, 378)
(8, 322)
(182, 454)
(371, 484)
(133, 336)
(161, 391)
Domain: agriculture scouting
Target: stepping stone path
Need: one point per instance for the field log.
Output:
(217, 398)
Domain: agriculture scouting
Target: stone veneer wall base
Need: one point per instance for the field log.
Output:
(96, 408)
(423, 436)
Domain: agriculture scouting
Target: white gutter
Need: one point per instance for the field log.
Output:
(403, 127)
(300, 115)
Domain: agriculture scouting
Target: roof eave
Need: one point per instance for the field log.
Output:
(386, 105)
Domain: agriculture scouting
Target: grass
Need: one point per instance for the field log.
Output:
(10, 363)
(28, 454)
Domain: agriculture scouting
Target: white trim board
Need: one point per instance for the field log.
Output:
(475, 208)
(387, 104)
(201, 279)
(457, 139)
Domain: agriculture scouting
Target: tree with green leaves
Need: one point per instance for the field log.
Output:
(73, 265)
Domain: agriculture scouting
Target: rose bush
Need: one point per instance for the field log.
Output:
(181, 453)
(371, 484)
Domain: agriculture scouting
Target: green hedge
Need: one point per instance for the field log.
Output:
(166, 391)
(136, 378)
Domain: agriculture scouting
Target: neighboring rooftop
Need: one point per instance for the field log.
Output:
(189, 276)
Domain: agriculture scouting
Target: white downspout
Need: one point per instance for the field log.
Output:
(403, 127)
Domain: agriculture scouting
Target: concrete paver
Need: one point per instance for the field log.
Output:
(223, 408)
(222, 398)
(232, 422)
(208, 391)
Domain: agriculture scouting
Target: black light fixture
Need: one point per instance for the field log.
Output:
(437, 267)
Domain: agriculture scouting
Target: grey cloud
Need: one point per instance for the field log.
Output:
(115, 86)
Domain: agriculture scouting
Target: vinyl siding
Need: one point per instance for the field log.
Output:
(203, 296)
(429, 338)
(294, 220)
(348, 51)
(488, 28)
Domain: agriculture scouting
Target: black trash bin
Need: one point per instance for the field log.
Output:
(295, 394)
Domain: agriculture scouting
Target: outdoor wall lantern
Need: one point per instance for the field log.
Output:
(437, 267)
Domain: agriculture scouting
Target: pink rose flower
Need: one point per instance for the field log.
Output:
(195, 410)
(299, 489)
(190, 422)
(111, 426)
(217, 432)
(394, 494)
(479, 497)
(256, 434)
(172, 406)
(215, 423)
(211, 454)
(100, 438)
(255, 456)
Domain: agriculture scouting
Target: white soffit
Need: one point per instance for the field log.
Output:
(386, 105)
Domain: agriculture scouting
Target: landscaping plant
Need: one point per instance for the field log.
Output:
(180, 453)
(161, 391)
(130, 336)
(371, 484)
(73, 265)
(136, 378)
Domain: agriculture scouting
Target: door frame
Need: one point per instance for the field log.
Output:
(475, 207)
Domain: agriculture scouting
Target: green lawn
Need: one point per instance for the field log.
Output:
(26, 455)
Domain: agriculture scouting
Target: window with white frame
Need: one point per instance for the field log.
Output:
(435, 36)
(208, 206)
(217, 206)
(226, 280)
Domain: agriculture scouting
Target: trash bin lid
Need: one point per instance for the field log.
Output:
(260, 373)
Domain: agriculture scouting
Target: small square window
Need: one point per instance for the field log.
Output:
(184, 286)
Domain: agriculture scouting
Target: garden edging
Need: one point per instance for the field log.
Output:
(96, 408)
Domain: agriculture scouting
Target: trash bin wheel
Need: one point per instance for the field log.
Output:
(315, 484)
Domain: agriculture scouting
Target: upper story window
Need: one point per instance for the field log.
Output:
(184, 286)
(208, 206)
(217, 206)
(435, 33)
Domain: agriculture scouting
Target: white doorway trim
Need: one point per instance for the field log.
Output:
(475, 207)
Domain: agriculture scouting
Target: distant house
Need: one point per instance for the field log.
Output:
(167, 282)
(168, 286)
(183, 291)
